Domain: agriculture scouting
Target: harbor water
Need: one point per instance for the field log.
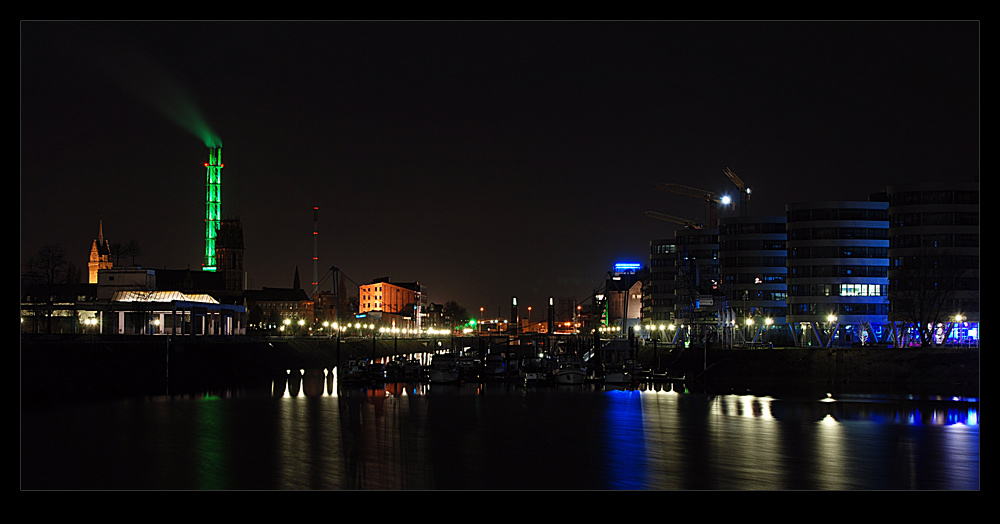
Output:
(307, 432)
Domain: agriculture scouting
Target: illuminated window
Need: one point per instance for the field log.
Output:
(861, 290)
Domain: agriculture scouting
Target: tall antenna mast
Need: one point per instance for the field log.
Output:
(213, 205)
(315, 250)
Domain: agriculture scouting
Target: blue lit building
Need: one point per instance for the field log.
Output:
(838, 272)
(752, 267)
(899, 269)
(934, 263)
(623, 296)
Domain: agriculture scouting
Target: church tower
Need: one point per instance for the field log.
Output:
(100, 254)
(229, 253)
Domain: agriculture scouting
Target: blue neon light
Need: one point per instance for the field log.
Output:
(623, 267)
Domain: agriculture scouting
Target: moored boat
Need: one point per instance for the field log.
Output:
(570, 371)
(617, 375)
(469, 367)
(444, 369)
(512, 363)
(634, 368)
(394, 369)
(537, 370)
(413, 370)
(494, 366)
(353, 372)
(375, 372)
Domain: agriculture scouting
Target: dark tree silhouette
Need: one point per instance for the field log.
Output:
(50, 266)
(921, 289)
(132, 250)
(117, 251)
(454, 314)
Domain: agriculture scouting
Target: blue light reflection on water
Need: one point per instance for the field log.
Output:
(505, 437)
(912, 411)
(626, 441)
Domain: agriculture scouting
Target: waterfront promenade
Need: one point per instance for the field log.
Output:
(54, 365)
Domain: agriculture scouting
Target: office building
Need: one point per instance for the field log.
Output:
(934, 263)
(752, 267)
(838, 271)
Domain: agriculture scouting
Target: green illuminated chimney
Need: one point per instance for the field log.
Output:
(213, 205)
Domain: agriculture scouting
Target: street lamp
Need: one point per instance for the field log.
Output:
(90, 322)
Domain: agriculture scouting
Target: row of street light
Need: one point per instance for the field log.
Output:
(364, 329)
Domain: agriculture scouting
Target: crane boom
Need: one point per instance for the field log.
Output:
(713, 200)
(691, 224)
(736, 180)
(703, 194)
(744, 190)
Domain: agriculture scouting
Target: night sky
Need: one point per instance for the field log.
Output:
(483, 159)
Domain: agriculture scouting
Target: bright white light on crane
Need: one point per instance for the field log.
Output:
(726, 200)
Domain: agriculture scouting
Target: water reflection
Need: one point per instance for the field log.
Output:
(305, 431)
(625, 441)
(898, 409)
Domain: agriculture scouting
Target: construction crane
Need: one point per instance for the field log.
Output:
(690, 224)
(713, 200)
(744, 190)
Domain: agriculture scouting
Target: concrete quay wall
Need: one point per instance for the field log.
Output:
(911, 367)
(67, 365)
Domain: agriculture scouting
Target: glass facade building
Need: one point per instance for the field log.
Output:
(934, 263)
(752, 254)
(838, 271)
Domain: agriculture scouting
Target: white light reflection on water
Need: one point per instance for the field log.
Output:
(830, 470)
(655, 439)
(909, 410)
(302, 433)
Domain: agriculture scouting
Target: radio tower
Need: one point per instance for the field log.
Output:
(315, 251)
(213, 205)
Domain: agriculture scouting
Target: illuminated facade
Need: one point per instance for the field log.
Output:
(623, 296)
(173, 313)
(898, 270)
(213, 205)
(126, 301)
(838, 272)
(406, 300)
(100, 254)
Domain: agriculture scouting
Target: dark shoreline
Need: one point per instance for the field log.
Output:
(54, 367)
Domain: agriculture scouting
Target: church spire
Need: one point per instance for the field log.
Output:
(100, 253)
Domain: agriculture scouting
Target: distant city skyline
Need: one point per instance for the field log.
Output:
(484, 160)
